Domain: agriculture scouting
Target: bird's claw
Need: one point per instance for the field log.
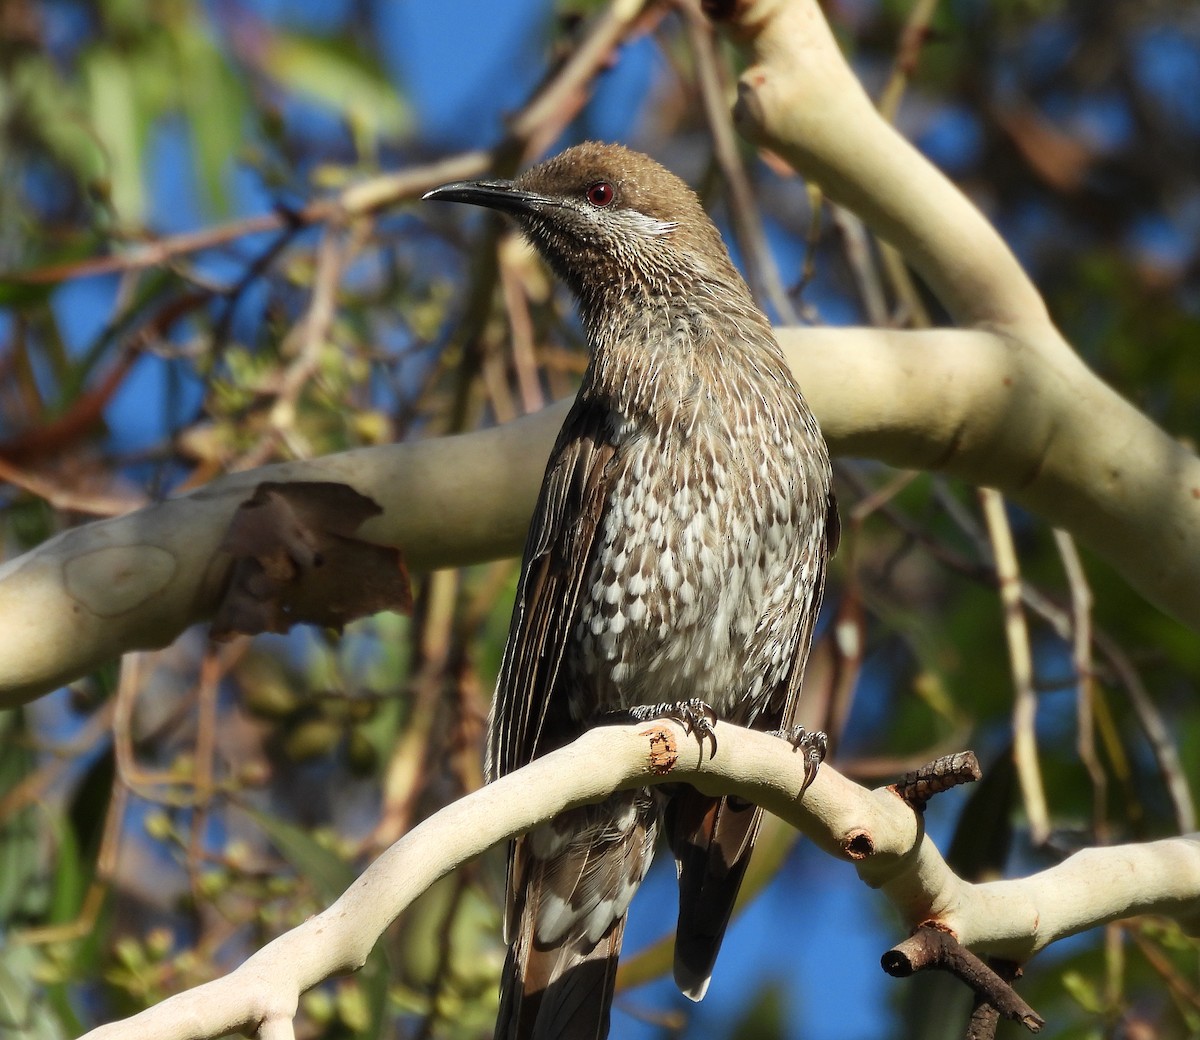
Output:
(814, 745)
(695, 716)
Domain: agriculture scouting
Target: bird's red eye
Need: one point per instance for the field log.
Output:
(600, 194)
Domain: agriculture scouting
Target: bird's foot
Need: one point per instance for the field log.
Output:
(814, 745)
(695, 716)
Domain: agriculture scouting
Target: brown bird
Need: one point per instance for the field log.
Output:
(677, 554)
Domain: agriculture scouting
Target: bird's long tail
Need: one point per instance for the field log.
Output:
(712, 839)
(570, 883)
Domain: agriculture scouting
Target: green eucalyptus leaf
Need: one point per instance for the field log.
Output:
(340, 78)
(329, 873)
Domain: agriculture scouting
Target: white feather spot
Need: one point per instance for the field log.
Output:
(555, 916)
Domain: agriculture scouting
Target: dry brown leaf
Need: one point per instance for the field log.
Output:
(1062, 161)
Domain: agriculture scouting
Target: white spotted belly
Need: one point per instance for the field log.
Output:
(698, 580)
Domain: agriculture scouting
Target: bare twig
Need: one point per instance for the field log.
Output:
(856, 244)
(76, 500)
(543, 115)
(1158, 733)
(88, 405)
(933, 947)
(445, 950)
(304, 345)
(984, 1016)
(520, 326)
(358, 199)
(917, 787)
(258, 266)
(1081, 653)
(1185, 991)
(913, 37)
(1114, 660)
(31, 787)
(97, 890)
(129, 685)
(1021, 661)
(908, 52)
(554, 105)
(747, 221)
(416, 752)
(214, 666)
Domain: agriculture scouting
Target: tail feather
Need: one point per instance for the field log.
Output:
(570, 883)
(561, 993)
(712, 839)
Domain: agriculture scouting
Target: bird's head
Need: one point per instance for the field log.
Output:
(608, 220)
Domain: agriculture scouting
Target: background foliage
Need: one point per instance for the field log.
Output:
(160, 820)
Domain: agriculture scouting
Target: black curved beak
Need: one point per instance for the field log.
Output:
(501, 195)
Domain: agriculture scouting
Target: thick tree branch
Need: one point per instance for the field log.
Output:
(1090, 462)
(875, 830)
(137, 581)
(971, 403)
(801, 99)
(1006, 405)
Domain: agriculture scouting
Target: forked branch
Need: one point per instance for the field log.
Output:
(876, 830)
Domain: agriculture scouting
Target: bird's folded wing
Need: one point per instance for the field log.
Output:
(558, 556)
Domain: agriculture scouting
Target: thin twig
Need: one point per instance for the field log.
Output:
(849, 629)
(747, 221)
(1121, 668)
(882, 495)
(913, 36)
(358, 199)
(1180, 989)
(304, 343)
(856, 244)
(908, 53)
(255, 269)
(1158, 734)
(931, 947)
(32, 787)
(408, 769)
(72, 499)
(162, 787)
(521, 332)
(97, 890)
(554, 105)
(812, 240)
(88, 405)
(984, 1016)
(445, 950)
(1020, 657)
(849, 651)
(214, 666)
(918, 786)
(1081, 652)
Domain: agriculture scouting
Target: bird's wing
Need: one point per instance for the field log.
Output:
(526, 719)
(712, 838)
(562, 989)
